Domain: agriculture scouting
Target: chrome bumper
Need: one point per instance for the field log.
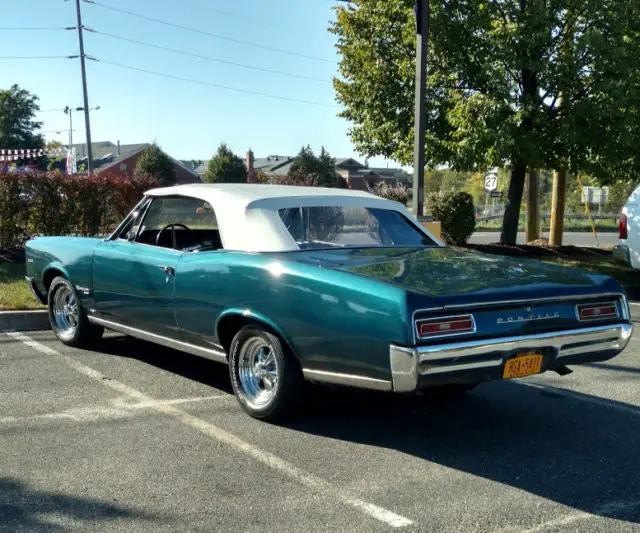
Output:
(410, 365)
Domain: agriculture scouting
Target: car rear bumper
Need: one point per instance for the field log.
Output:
(483, 360)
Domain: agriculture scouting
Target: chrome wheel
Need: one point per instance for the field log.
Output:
(66, 313)
(258, 371)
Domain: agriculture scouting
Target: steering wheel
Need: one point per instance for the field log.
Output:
(173, 233)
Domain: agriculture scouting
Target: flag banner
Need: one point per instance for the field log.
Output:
(10, 154)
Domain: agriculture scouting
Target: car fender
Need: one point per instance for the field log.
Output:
(55, 266)
(251, 314)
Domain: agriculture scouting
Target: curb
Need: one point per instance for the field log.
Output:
(24, 320)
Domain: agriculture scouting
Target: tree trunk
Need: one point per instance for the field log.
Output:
(511, 218)
(533, 215)
(557, 207)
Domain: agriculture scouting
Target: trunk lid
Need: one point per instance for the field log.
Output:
(507, 296)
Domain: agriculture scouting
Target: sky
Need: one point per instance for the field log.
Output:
(187, 119)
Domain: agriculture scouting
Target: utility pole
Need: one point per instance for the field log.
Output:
(87, 122)
(422, 38)
(532, 206)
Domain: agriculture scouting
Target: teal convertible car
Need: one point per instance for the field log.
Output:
(295, 284)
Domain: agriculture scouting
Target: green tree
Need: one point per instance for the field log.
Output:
(18, 127)
(226, 167)
(154, 163)
(496, 71)
(309, 168)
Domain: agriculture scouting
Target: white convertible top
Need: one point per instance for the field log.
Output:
(247, 214)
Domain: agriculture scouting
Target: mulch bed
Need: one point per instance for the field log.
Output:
(12, 255)
(539, 250)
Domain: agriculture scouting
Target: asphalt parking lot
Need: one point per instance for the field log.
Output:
(136, 437)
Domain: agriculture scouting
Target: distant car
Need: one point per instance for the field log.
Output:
(628, 250)
(288, 284)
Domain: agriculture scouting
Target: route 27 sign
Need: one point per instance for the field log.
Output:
(491, 181)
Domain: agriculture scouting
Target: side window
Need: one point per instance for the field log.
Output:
(186, 224)
(130, 225)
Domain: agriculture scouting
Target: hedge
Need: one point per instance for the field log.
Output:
(51, 204)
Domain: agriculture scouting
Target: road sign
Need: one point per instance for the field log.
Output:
(491, 181)
(497, 194)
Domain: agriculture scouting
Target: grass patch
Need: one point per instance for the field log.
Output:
(602, 225)
(14, 291)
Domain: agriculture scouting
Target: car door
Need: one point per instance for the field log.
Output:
(134, 271)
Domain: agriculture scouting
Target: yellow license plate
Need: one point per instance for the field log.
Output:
(523, 365)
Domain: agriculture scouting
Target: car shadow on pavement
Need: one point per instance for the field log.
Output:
(568, 449)
(27, 509)
(563, 448)
(189, 366)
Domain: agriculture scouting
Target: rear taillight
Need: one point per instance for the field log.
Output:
(622, 228)
(601, 311)
(448, 325)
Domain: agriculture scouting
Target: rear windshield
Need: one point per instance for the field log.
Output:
(337, 226)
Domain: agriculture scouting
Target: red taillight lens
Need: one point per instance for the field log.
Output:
(597, 311)
(622, 228)
(450, 325)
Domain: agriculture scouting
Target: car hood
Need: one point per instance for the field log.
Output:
(458, 277)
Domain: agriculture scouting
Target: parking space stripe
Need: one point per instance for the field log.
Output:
(274, 462)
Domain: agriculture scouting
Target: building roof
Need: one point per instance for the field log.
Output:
(248, 216)
(106, 151)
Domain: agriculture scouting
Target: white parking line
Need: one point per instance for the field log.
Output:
(634, 303)
(609, 404)
(119, 408)
(310, 481)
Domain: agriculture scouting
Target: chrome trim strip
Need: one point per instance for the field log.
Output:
(535, 300)
(453, 334)
(619, 334)
(462, 367)
(215, 355)
(351, 380)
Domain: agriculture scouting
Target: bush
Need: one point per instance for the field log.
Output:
(52, 204)
(455, 212)
(397, 193)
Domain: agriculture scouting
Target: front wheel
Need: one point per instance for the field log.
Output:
(67, 317)
(265, 376)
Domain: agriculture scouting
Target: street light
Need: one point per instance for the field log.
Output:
(69, 111)
(421, 9)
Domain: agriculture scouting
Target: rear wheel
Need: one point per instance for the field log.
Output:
(265, 376)
(67, 316)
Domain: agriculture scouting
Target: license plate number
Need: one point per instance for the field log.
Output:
(522, 365)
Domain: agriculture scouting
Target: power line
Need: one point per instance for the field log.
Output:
(229, 14)
(54, 28)
(202, 32)
(226, 87)
(38, 57)
(207, 58)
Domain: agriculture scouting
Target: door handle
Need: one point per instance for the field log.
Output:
(169, 271)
